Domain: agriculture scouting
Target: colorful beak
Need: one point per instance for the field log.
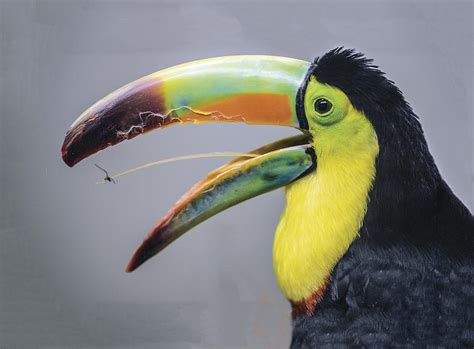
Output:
(250, 89)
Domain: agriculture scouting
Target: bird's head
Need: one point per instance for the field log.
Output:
(356, 131)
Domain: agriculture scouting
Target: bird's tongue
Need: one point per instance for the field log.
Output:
(276, 165)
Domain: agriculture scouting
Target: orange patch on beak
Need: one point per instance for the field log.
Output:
(253, 108)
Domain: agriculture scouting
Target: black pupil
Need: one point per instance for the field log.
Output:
(322, 106)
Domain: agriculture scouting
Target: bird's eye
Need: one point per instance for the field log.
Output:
(322, 106)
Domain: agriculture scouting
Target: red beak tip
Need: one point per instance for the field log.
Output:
(69, 158)
(136, 260)
(68, 161)
(132, 265)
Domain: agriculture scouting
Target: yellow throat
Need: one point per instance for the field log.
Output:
(325, 210)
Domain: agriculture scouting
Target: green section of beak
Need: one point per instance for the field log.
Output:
(239, 180)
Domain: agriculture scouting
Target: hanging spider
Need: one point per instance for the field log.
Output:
(107, 178)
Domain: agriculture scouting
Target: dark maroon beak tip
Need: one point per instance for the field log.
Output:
(138, 259)
(68, 160)
(148, 248)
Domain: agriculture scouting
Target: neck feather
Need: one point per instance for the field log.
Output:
(323, 215)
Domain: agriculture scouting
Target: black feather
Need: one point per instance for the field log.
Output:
(408, 279)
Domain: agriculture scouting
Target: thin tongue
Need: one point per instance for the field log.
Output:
(113, 178)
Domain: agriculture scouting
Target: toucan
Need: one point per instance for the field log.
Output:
(372, 249)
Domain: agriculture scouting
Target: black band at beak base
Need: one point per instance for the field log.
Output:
(300, 113)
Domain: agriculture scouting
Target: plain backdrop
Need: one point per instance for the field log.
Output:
(65, 241)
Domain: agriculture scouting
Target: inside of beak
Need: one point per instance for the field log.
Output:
(276, 165)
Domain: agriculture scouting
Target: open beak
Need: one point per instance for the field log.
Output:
(251, 89)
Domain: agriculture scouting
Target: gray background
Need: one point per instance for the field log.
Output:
(64, 241)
